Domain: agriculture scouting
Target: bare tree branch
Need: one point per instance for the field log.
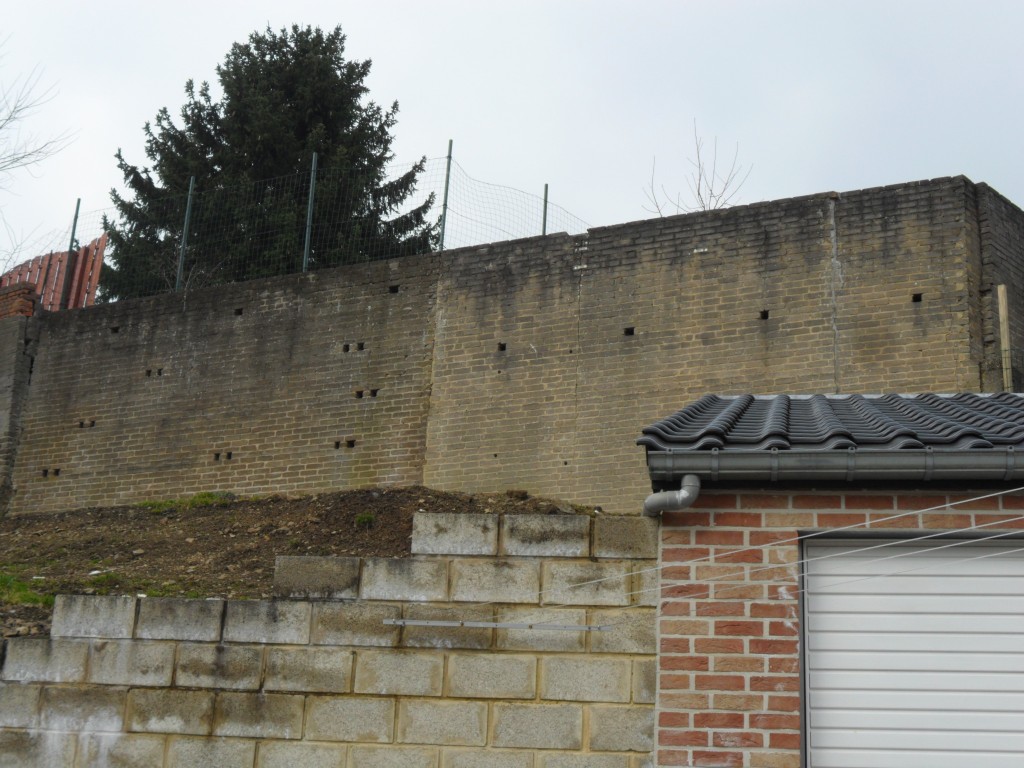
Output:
(709, 189)
(19, 100)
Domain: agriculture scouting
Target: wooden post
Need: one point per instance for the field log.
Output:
(1004, 337)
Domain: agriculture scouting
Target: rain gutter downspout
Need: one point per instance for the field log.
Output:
(673, 501)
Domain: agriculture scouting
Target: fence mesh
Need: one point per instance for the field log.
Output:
(259, 229)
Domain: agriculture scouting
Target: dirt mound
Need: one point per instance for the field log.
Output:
(210, 545)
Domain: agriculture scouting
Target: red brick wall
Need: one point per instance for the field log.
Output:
(17, 301)
(729, 624)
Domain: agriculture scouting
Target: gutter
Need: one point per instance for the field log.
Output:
(667, 468)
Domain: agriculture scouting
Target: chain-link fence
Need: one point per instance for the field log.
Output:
(306, 221)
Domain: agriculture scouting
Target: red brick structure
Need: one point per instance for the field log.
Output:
(846, 588)
(18, 300)
(730, 681)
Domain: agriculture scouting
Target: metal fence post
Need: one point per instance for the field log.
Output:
(184, 234)
(444, 203)
(544, 221)
(66, 288)
(309, 216)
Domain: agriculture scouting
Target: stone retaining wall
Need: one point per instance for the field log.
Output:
(315, 677)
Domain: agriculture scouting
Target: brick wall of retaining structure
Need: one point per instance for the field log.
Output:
(729, 623)
(529, 364)
(317, 678)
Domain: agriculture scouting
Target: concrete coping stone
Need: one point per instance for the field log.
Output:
(449, 533)
(546, 535)
(316, 578)
(109, 616)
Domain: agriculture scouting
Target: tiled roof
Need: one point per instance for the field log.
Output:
(841, 422)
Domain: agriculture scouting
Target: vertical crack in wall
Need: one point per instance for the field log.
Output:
(835, 285)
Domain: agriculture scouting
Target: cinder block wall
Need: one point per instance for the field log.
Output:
(1001, 242)
(729, 622)
(17, 350)
(317, 678)
(529, 364)
(302, 383)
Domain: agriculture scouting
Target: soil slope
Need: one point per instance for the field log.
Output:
(210, 545)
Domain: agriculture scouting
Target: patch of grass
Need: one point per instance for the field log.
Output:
(203, 499)
(15, 591)
(365, 520)
(104, 581)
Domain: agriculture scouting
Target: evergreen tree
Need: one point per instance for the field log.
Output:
(286, 95)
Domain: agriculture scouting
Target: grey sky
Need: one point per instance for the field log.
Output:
(581, 95)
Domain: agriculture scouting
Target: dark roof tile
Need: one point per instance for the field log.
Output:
(839, 422)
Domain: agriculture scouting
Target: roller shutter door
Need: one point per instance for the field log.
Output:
(917, 660)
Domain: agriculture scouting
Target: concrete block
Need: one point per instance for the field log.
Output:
(312, 670)
(349, 718)
(586, 678)
(646, 583)
(93, 616)
(541, 639)
(185, 752)
(277, 754)
(19, 705)
(394, 757)
(645, 681)
(36, 749)
(258, 715)
(355, 624)
(46, 660)
(546, 535)
(388, 578)
(492, 676)
(448, 637)
(622, 728)
(642, 761)
(267, 621)
(587, 583)
(462, 723)
(629, 537)
(81, 708)
(576, 760)
(153, 710)
(633, 630)
(399, 673)
(491, 758)
(316, 578)
(493, 580)
(538, 726)
(120, 750)
(131, 662)
(172, 618)
(209, 665)
(448, 533)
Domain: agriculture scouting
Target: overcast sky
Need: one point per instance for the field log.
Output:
(580, 95)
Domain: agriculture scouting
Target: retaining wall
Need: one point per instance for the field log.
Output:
(529, 364)
(317, 678)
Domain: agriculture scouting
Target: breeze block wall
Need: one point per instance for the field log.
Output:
(303, 383)
(529, 364)
(317, 678)
(729, 626)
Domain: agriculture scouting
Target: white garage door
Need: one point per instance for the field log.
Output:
(915, 660)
